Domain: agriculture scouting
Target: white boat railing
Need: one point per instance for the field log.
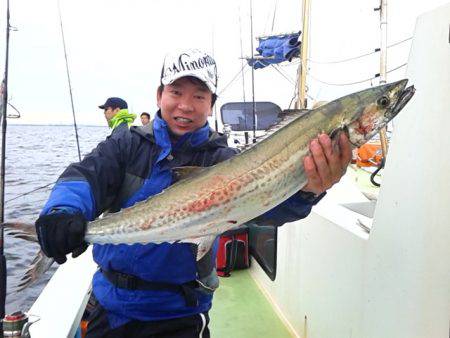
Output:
(61, 304)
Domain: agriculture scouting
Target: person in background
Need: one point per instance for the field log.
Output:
(160, 290)
(145, 118)
(116, 113)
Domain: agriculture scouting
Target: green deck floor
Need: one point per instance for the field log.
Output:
(240, 310)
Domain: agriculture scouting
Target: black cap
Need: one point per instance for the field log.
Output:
(114, 102)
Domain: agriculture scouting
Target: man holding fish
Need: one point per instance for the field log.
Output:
(163, 288)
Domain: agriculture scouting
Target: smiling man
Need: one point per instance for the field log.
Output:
(160, 290)
(187, 92)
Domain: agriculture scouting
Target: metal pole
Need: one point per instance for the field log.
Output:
(4, 89)
(242, 58)
(253, 74)
(301, 101)
(383, 66)
(70, 86)
(216, 122)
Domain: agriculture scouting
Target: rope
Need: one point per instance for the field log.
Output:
(274, 13)
(342, 84)
(356, 82)
(283, 75)
(359, 56)
(233, 79)
(27, 193)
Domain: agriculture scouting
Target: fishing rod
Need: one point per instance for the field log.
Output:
(4, 105)
(70, 86)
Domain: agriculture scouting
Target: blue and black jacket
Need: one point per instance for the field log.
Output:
(128, 167)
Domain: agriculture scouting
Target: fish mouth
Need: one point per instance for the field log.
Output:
(371, 121)
(403, 99)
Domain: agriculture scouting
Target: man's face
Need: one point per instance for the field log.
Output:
(185, 105)
(110, 112)
(144, 120)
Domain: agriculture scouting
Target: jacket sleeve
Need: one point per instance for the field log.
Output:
(91, 185)
(294, 208)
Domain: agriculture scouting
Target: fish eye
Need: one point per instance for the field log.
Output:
(383, 101)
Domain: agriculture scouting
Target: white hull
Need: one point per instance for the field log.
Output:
(333, 279)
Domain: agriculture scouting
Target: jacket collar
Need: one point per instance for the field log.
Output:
(157, 132)
(190, 140)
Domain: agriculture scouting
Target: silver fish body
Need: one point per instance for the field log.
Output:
(226, 195)
(235, 191)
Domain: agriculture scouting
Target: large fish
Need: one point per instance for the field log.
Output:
(209, 201)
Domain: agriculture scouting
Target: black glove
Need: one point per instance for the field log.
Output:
(61, 233)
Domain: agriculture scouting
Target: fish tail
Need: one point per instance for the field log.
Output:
(25, 231)
(41, 263)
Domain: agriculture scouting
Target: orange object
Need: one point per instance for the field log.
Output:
(83, 325)
(369, 155)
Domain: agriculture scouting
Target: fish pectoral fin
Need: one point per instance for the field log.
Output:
(204, 244)
(181, 173)
(335, 135)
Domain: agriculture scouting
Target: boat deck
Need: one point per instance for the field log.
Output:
(240, 310)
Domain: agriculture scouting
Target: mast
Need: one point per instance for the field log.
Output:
(383, 63)
(301, 101)
(4, 90)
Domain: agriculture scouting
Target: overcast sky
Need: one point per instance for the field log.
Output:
(116, 48)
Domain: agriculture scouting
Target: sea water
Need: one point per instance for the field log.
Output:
(35, 157)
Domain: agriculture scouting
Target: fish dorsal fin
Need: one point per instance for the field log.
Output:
(284, 118)
(181, 173)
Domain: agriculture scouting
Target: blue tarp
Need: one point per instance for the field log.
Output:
(276, 49)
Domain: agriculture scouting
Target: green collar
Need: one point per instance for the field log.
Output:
(123, 116)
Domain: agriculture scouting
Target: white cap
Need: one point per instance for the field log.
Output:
(191, 62)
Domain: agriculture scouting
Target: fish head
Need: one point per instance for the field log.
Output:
(375, 107)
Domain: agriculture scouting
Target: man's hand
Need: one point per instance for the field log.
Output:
(61, 233)
(327, 162)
